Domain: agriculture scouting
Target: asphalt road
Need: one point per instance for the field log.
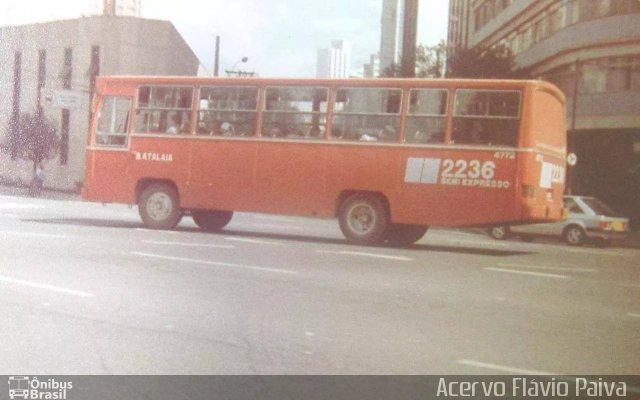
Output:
(84, 289)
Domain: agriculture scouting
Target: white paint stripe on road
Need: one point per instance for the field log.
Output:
(597, 252)
(549, 268)
(634, 315)
(261, 225)
(479, 242)
(217, 246)
(254, 241)
(45, 286)
(504, 368)
(216, 263)
(33, 234)
(540, 274)
(19, 206)
(363, 254)
(12, 216)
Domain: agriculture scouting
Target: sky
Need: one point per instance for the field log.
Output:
(279, 37)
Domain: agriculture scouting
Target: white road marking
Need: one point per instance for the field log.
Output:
(504, 368)
(255, 241)
(549, 268)
(19, 206)
(217, 246)
(540, 274)
(597, 252)
(33, 234)
(479, 242)
(216, 263)
(363, 254)
(634, 315)
(157, 230)
(45, 286)
(261, 225)
(12, 216)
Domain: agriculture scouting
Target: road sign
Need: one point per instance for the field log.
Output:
(60, 98)
(572, 159)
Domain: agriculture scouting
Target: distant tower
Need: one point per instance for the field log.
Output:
(334, 62)
(398, 32)
(129, 8)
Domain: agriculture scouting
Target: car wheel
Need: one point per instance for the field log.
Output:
(404, 235)
(574, 235)
(363, 219)
(500, 232)
(159, 207)
(211, 221)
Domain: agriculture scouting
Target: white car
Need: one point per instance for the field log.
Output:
(589, 218)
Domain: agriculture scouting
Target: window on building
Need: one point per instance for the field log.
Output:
(484, 117)
(67, 68)
(593, 77)
(624, 7)
(42, 75)
(556, 19)
(228, 111)
(113, 122)
(164, 109)
(295, 112)
(590, 9)
(367, 114)
(427, 116)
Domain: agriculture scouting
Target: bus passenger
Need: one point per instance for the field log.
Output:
(174, 125)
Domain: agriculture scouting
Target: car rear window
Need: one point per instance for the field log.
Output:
(599, 207)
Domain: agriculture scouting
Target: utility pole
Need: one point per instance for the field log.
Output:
(216, 59)
(409, 38)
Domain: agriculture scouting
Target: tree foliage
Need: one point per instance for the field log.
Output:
(31, 137)
(483, 63)
(430, 63)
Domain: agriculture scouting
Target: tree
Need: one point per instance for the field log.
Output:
(31, 137)
(430, 63)
(495, 62)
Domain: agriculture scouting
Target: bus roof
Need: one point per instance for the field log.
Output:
(351, 82)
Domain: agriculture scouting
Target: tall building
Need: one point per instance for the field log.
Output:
(392, 26)
(125, 8)
(591, 50)
(63, 58)
(334, 62)
(372, 69)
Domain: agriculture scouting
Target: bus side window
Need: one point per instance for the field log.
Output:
(295, 112)
(113, 122)
(164, 109)
(227, 111)
(485, 117)
(367, 114)
(427, 116)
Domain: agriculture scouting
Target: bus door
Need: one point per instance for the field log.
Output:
(108, 157)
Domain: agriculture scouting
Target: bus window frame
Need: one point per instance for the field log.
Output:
(400, 114)
(190, 110)
(445, 116)
(127, 131)
(262, 112)
(197, 110)
(453, 115)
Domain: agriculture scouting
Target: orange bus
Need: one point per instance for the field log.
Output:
(387, 157)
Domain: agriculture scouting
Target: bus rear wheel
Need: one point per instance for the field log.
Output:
(363, 219)
(404, 235)
(211, 220)
(159, 207)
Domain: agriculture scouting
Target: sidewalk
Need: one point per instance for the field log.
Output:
(12, 190)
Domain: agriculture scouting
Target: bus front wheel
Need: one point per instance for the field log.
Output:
(363, 219)
(211, 221)
(159, 207)
(404, 235)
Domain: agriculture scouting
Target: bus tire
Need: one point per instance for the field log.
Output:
(211, 220)
(574, 235)
(404, 235)
(363, 219)
(159, 207)
(500, 232)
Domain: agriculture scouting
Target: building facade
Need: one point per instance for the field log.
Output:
(128, 8)
(66, 57)
(334, 62)
(591, 50)
(392, 28)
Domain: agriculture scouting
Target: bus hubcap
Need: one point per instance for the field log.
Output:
(362, 219)
(159, 206)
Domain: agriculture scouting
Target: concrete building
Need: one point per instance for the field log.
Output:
(591, 50)
(392, 27)
(334, 62)
(128, 8)
(372, 69)
(458, 32)
(66, 56)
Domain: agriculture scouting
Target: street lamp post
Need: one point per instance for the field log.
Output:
(234, 72)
